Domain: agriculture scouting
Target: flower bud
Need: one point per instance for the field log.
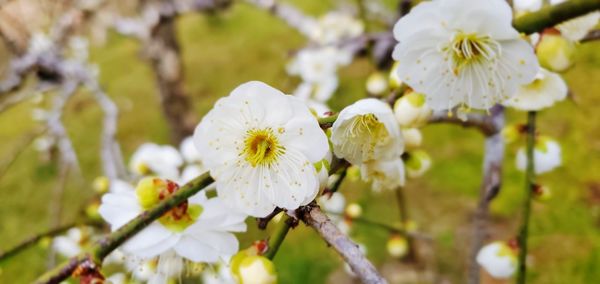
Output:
(412, 138)
(394, 78)
(498, 259)
(511, 133)
(555, 52)
(101, 184)
(353, 173)
(376, 84)
(411, 110)
(397, 246)
(353, 210)
(91, 211)
(417, 163)
(541, 193)
(255, 269)
(147, 191)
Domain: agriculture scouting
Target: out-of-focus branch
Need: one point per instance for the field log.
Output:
(15, 153)
(592, 36)
(112, 159)
(57, 129)
(109, 243)
(480, 121)
(287, 13)
(348, 250)
(490, 185)
(555, 14)
(36, 238)
(162, 49)
(158, 35)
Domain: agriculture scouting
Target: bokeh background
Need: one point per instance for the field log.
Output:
(243, 43)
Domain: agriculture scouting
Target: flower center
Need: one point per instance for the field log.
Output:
(465, 49)
(363, 135)
(367, 125)
(151, 191)
(261, 147)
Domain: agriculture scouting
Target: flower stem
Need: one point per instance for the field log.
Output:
(529, 182)
(276, 239)
(403, 210)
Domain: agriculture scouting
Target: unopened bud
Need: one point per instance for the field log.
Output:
(555, 52)
(353, 210)
(397, 246)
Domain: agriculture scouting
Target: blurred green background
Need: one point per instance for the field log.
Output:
(242, 44)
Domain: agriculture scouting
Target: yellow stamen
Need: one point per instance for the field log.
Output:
(261, 147)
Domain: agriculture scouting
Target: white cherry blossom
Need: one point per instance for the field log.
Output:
(260, 146)
(462, 52)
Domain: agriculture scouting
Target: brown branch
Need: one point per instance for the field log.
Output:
(348, 250)
(163, 52)
(591, 36)
(36, 238)
(480, 121)
(490, 186)
(287, 13)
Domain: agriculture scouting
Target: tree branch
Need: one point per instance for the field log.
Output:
(477, 120)
(591, 36)
(550, 16)
(347, 249)
(490, 186)
(50, 233)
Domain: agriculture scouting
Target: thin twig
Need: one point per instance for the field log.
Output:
(276, 239)
(529, 186)
(347, 249)
(55, 206)
(480, 121)
(15, 153)
(50, 233)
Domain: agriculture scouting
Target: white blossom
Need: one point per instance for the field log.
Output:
(199, 229)
(527, 5)
(411, 110)
(318, 69)
(555, 52)
(256, 269)
(334, 27)
(462, 52)
(366, 131)
(385, 174)
(260, 146)
(543, 92)
(498, 259)
(417, 164)
(71, 244)
(412, 138)
(546, 156)
(376, 83)
(189, 152)
(151, 159)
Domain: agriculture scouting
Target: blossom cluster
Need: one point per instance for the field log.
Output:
(267, 151)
